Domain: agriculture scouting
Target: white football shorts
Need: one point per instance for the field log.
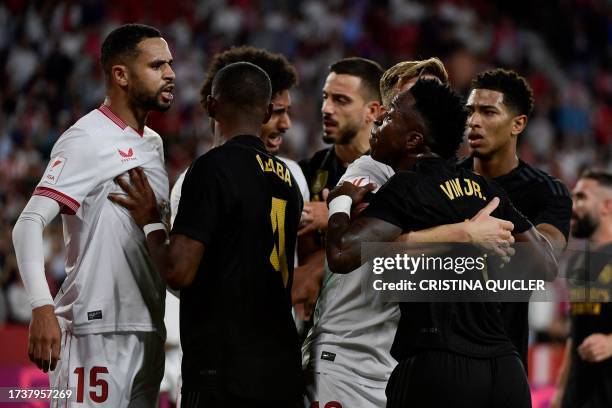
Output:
(109, 370)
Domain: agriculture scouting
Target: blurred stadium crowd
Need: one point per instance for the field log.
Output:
(50, 76)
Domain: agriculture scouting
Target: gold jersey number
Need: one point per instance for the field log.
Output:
(278, 257)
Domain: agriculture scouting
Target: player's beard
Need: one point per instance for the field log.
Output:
(150, 102)
(345, 135)
(584, 226)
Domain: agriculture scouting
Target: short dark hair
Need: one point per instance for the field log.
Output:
(369, 71)
(602, 177)
(518, 95)
(444, 114)
(282, 74)
(244, 86)
(123, 42)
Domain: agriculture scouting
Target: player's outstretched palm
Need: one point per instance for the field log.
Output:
(140, 200)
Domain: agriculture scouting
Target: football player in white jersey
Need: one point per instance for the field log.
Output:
(347, 352)
(103, 335)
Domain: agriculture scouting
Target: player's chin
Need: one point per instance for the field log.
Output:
(162, 105)
(329, 138)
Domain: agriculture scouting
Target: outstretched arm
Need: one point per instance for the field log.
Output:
(178, 261)
(344, 238)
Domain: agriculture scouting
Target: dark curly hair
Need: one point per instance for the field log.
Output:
(282, 74)
(444, 115)
(518, 95)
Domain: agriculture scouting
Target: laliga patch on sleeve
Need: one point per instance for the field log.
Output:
(56, 165)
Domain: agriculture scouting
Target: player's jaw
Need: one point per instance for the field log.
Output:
(159, 100)
(582, 226)
(330, 129)
(273, 142)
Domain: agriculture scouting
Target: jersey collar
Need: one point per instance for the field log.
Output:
(116, 119)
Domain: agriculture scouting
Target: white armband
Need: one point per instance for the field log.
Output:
(28, 243)
(149, 228)
(341, 203)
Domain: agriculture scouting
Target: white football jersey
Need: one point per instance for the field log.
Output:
(353, 331)
(298, 175)
(111, 283)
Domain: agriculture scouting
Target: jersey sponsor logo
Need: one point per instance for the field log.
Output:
(56, 165)
(585, 309)
(454, 189)
(95, 315)
(275, 167)
(126, 156)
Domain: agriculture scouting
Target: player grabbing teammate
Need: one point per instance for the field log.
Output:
(347, 352)
(499, 106)
(231, 254)
(465, 361)
(585, 379)
(109, 310)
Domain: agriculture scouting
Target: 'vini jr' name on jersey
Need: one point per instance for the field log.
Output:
(454, 188)
(277, 168)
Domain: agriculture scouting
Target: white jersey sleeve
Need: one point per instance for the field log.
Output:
(366, 170)
(175, 196)
(298, 175)
(72, 171)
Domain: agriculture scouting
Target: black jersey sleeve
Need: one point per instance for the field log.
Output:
(396, 202)
(555, 206)
(205, 196)
(507, 211)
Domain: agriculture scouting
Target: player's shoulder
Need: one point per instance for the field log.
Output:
(153, 135)
(544, 182)
(369, 170)
(292, 165)
(79, 135)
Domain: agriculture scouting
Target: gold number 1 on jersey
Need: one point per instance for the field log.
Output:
(278, 257)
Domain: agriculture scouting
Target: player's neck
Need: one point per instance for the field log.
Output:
(132, 116)
(497, 165)
(225, 130)
(350, 152)
(408, 161)
(603, 234)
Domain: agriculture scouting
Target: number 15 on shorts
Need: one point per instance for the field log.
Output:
(91, 384)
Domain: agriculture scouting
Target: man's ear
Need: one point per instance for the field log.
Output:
(414, 142)
(268, 113)
(120, 75)
(211, 106)
(518, 124)
(372, 111)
